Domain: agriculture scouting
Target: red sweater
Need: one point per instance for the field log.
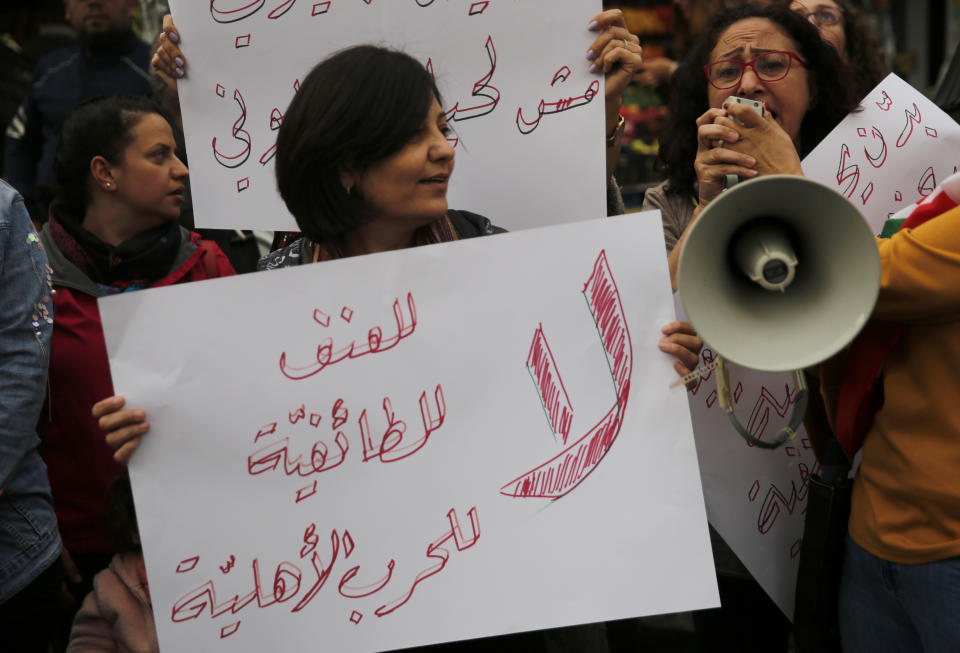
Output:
(79, 462)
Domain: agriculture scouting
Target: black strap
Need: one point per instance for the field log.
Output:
(472, 225)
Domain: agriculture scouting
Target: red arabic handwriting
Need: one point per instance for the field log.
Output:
(235, 14)
(545, 108)
(390, 448)
(913, 118)
(481, 89)
(271, 456)
(878, 160)
(246, 9)
(770, 509)
(760, 415)
(238, 133)
(565, 471)
(550, 388)
(289, 579)
(375, 343)
(848, 176)
(436, 551)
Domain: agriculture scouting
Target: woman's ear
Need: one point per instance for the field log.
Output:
(348, 178)
(102, 173)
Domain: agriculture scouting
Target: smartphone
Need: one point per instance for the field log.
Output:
(756, 105)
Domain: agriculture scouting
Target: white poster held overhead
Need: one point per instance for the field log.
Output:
(890, 154)
(527, 115)
(756, 498)
(432, 444)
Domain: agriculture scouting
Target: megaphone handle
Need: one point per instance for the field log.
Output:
(788, 432)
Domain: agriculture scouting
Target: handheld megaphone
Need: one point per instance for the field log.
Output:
(778, 273)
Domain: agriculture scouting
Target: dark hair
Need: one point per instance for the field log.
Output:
(864, 50)
(354, 108)
(830, 96)
(691, 23)
(101, 126)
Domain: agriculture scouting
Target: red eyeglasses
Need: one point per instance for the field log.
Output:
(770, 67)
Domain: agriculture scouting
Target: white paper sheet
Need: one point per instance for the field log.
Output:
(890, 154)
(496, 347)
(515, 166)
(756, 498)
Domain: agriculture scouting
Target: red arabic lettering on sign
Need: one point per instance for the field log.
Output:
(563, 472)
(297, 584)
(877, 153)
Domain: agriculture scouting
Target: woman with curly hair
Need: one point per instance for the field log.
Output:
(769, 54)
(775, 56)
(844, 27)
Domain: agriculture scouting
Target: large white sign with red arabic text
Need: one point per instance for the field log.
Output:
(433, 444)
(526, 112)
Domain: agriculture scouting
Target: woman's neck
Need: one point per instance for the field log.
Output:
(111, 224)
(376, 236)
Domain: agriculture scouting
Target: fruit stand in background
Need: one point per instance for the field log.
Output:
(643, 109)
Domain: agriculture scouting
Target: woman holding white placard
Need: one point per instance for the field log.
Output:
(615, 53)
(336, 180)
(363, 162)
(112, 229)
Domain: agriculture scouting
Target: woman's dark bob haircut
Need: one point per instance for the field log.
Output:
(356, 107)
(829, 80)
(101, 126)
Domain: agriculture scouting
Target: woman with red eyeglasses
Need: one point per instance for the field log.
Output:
(768, 54)
(777, 57)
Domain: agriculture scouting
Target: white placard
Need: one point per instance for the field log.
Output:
(756, 498)
(432, 444)
(528, 115)
(888, 155)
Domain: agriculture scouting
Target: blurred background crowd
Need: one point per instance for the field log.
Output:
(45, 70)
(918, 39)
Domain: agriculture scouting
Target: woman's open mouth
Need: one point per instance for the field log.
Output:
(439, 180)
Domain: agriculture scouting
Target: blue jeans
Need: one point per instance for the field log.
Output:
(886, 606)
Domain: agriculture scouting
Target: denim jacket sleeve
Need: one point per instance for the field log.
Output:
(26, 325)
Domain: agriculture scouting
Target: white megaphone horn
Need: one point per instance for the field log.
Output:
(778, 273)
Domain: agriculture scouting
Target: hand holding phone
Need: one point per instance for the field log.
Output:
(756, 105)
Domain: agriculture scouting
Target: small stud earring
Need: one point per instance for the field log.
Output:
(108, 184)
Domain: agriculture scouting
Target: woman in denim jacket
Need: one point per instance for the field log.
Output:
(29, 540)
